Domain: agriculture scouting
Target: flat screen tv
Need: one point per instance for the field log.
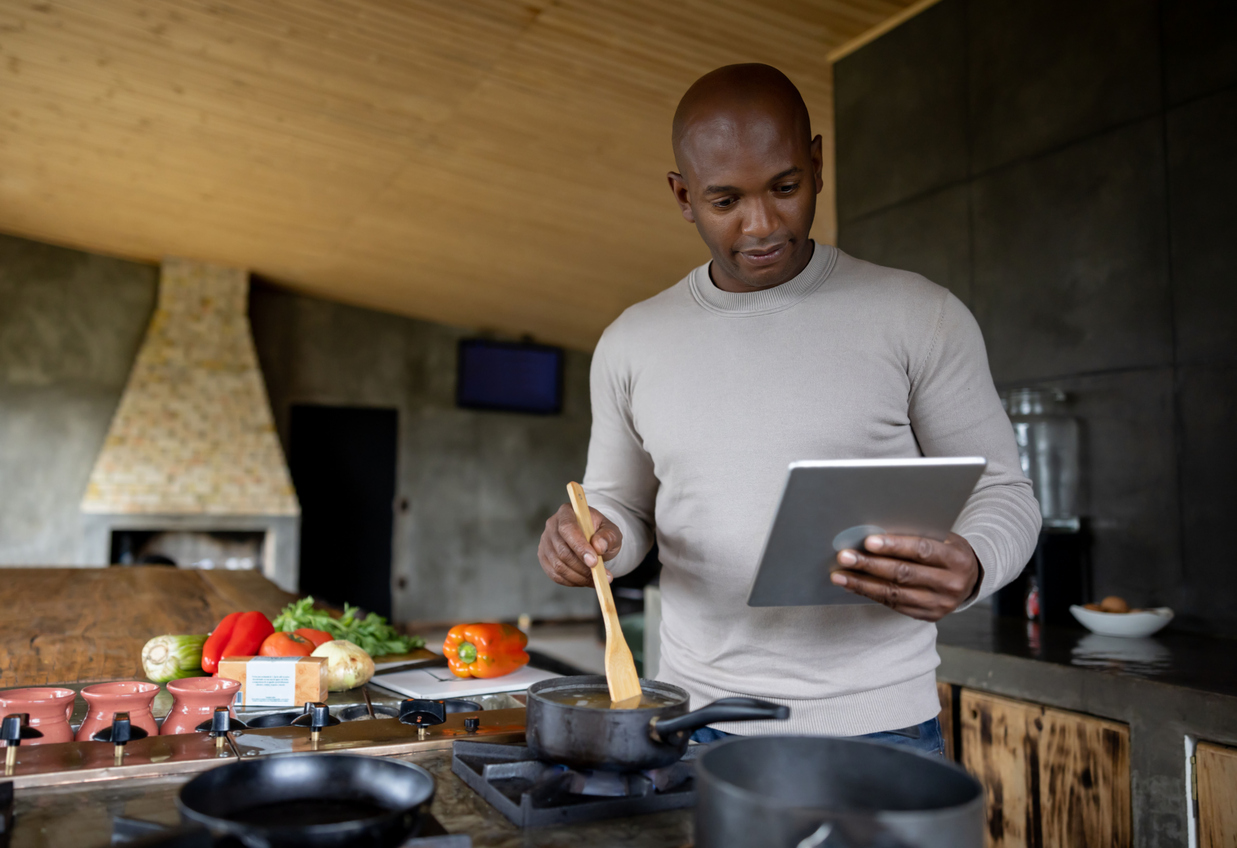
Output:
(511, 376)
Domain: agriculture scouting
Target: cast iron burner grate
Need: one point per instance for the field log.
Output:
(531, 793)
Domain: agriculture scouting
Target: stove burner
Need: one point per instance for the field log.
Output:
(531, 793)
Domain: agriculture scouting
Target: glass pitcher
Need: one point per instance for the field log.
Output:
(1048, 447)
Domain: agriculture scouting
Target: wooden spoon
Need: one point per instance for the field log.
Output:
(621, 674)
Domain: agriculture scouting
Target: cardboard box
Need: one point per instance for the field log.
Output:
(276, 681)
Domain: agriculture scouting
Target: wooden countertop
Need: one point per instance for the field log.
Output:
(84, 624)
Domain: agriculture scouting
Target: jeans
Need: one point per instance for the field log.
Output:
(921, 737)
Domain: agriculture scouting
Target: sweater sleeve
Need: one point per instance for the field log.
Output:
(619, 481)
(955, 411)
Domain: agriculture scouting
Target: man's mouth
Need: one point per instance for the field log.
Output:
(764, 255)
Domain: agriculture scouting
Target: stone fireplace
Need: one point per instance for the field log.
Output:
(191, 463)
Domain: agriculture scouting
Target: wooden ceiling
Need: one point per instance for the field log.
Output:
(495, 164)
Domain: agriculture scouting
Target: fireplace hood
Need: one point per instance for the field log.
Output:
(192, 445)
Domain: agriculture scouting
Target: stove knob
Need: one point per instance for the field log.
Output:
(472, 724)
(14, 729)
(317, 716)
(421, 713)
(120, 734)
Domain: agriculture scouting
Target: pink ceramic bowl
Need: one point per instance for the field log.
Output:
(50, 709)
(194, 701)
(104, 699)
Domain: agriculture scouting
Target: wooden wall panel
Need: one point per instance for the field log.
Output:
(1217, 795)
(1052, 778)
(497, 164)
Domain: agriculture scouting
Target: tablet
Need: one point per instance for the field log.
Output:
(830, 505)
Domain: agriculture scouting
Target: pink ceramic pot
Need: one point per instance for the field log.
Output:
(194, 701)
(104, 699)
(50, 710)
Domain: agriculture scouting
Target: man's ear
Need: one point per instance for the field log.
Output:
(678, 185)
(818, 162)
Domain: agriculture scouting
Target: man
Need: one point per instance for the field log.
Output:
(780, 350)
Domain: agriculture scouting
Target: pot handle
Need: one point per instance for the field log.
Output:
(727, 709)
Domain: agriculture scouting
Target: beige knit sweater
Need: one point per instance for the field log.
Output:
(701, 398)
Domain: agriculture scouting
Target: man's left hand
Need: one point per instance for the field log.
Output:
(918, 577)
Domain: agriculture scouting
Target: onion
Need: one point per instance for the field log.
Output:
(347, 666)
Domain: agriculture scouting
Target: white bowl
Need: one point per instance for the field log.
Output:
(1135, 624)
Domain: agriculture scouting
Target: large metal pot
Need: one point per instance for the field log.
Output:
(809, 791)
(625, 740)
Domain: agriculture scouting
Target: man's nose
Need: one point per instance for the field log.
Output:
(761, 220)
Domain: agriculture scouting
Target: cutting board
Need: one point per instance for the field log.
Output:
(435, 683)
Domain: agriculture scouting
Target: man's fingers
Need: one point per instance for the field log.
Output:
(608, 539)
(569, 531)
(900, 572)
(914, 548)
(911, 601)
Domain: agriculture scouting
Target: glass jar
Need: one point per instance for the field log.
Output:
(1048, 448)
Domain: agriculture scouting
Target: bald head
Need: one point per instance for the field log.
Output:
(749, 171)
(732, 102)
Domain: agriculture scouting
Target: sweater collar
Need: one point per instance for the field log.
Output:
(770, 300)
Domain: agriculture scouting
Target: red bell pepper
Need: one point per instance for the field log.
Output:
(250, 632)
(212, 650)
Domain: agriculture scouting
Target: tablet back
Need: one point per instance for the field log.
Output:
(830, 505)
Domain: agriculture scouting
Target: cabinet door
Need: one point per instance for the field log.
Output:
(1216, 767)
(1052, 779)
(1000, 746)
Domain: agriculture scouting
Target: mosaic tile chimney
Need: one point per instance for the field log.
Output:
(192, 448)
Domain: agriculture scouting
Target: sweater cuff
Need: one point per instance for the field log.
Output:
(990, 577)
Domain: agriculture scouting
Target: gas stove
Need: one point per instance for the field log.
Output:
(531, 793)
(69, 763)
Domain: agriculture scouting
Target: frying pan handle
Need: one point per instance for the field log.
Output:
(727, 709)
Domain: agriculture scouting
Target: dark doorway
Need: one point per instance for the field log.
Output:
(343, 466)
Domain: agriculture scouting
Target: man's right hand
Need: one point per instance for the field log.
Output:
(564, 553)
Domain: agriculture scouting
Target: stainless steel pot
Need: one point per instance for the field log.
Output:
(810, 791)
(625, 740)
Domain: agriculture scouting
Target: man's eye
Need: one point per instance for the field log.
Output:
(788, 188)
(724, 203)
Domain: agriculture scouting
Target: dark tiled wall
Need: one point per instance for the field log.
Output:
(1070, 172)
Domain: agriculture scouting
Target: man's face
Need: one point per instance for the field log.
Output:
(749, 184)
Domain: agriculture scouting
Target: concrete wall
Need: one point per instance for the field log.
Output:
(1068, 170)
(70, 326)
(479, 484)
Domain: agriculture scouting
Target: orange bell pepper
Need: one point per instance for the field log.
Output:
(484, 650)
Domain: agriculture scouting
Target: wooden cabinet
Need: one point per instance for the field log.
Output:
(1052, 779)
(1216, 772)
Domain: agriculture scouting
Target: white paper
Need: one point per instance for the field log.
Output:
(269, 682)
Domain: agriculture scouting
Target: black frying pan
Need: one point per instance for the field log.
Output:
(310, 801)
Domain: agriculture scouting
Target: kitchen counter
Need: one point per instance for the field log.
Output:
(1165, 687)
(89, 624)
(80, 817)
